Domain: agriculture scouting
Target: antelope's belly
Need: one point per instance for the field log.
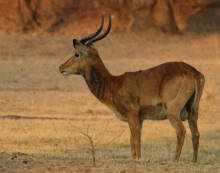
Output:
(152, 112)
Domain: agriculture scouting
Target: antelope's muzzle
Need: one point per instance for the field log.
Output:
(62, 71)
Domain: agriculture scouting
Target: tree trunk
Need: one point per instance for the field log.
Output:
(28, 14)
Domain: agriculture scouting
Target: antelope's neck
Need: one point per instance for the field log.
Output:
(97, 78)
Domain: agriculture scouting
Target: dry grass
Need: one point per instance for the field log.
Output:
(43, 137)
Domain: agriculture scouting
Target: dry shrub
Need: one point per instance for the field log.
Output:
(90, 141)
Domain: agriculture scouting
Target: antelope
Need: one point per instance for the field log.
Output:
(168, 91)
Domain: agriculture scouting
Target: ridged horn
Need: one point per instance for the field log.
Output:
(90, 36)
(89, 42)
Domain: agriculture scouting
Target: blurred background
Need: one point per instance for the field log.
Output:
(42, 112)
(67, 16)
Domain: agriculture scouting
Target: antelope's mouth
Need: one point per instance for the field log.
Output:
(63, 72)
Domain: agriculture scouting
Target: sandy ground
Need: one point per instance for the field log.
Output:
(38, 104)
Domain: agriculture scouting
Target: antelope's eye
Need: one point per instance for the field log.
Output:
(76, 55)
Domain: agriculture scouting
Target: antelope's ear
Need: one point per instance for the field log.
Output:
(75, 42)
(81, 47)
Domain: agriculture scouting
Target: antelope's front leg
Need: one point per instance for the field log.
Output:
(133, 152)
(135, 139)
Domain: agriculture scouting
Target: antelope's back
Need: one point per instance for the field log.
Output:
(147, 86)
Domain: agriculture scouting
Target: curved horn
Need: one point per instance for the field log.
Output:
(89, 42)
(90, 36)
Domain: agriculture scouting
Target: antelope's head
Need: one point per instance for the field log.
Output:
(84, 55)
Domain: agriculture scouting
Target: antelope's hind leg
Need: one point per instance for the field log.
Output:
(176, 122)
(175, 98)
(173, 114)
(193, 116)
(195, 136)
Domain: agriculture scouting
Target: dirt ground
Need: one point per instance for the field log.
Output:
(43, 112)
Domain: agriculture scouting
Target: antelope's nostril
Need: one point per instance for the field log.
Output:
(61, 70)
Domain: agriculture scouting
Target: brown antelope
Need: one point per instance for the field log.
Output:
(168, 91)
